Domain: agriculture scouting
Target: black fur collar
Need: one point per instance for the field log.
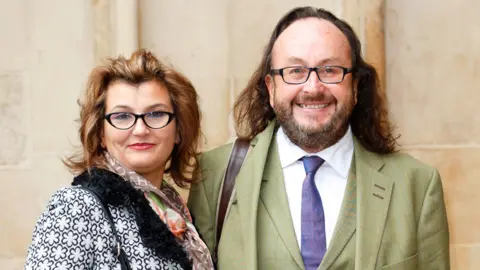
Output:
(118, 192)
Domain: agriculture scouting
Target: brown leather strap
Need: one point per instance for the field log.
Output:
(240, 149)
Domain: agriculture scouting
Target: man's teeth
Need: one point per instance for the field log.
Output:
(313, 106)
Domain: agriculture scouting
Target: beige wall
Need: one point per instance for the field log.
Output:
(433, 83)
(45, 52)
(49, 46)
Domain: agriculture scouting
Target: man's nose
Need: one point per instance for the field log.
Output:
(313, 84)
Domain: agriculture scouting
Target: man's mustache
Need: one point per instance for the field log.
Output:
(318, 97)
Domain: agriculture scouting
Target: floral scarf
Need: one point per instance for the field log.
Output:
(176, 214)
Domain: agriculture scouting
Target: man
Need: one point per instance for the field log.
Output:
(314, 104)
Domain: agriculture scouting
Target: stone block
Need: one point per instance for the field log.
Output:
(24, 193)
(13, 119)
(58, 81)
(14, 33)
(465, 257)
(215, 105)
(193, 39)
(56, 24)
(15, 263)
(102, 29)
(433, 70)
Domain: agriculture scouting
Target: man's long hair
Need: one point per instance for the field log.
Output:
(369, 119)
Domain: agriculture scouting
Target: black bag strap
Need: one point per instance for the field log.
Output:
(239, 152)
(117, 250)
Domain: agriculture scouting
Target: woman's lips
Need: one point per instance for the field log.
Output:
(141, 146)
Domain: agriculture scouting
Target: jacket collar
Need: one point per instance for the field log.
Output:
(115, 191)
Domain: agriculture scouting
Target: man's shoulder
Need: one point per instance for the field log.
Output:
(216, 156)
(406, 161)
(218, 152)
(399, 166)
(405, 169)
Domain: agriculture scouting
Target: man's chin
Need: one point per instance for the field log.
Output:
(311, 128)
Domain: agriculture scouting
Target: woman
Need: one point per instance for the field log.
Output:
(139, 121)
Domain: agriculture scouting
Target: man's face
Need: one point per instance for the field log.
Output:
(314, 115)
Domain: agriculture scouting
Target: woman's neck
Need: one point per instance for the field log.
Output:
(155, 178)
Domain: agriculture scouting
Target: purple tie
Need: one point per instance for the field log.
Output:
(314, 242)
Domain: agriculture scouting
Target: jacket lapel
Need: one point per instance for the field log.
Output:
(364, 210)
(374, 194)
(274, 197)
(346, 223)
(248, 185)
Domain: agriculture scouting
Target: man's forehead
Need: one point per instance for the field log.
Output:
(311, 37)
(315, 26)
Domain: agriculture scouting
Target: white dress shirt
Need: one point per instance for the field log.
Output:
(330, 178)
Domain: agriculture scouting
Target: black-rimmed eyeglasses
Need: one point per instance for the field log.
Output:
(300, 74)
(126, 120)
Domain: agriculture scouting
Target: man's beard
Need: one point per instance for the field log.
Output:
(317, 138)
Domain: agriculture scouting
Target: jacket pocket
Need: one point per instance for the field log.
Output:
(409, 263)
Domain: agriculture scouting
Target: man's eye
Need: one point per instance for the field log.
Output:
(296, 70)
(332, 70)
(329, 70)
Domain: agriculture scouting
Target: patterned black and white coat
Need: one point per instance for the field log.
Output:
(74, 233)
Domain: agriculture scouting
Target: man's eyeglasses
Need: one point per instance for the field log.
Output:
(300, 74)
(126, 120)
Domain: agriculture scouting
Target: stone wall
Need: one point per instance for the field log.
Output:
(45, 54)
(433, 84)
(48, 47)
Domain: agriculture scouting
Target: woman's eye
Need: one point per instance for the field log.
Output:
(121, 116)
(157, 114)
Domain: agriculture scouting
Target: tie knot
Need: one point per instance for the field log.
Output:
(312, 163)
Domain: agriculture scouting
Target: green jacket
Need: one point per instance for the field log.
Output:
(392, 217)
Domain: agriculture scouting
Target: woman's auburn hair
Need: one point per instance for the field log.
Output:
(141, 67)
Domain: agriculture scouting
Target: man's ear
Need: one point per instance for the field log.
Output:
(270, 83)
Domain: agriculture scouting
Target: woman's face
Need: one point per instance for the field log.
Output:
(140, 148)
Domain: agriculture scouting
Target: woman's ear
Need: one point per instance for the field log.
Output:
(102, 140)
(177, 138)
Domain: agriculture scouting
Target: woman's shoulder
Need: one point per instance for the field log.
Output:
(75, 197)
(72, 230)
(69, 193)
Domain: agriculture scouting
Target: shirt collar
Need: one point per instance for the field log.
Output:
(338, 156)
